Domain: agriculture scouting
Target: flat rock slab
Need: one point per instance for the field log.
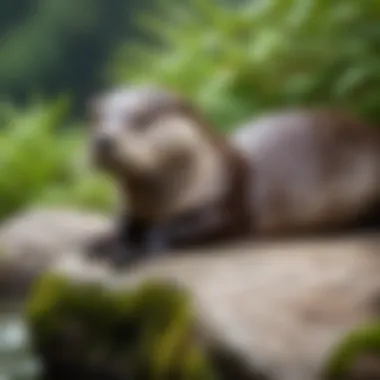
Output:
(33, 241)
(282, 306)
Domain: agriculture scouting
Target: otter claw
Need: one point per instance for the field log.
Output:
(119, 257)
(101, 248)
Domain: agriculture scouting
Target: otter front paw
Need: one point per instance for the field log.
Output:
(112, 250)
(102, 247)
(120, 252)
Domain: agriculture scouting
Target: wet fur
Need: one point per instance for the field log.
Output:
(231, 206)
(317, 170)
(162, 214)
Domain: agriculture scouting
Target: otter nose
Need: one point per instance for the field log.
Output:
(104, 144)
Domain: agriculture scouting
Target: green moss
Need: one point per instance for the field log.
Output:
(149, 329)
(363, 340)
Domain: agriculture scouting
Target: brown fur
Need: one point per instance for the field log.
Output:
(316, 148)
(312, 146)
(201, 220)
(232, 206)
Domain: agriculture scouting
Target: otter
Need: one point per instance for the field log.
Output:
(183, 184)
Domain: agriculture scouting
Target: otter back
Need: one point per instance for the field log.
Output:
(314, 170)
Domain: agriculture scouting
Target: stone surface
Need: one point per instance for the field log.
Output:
(283, 307)
(33, 241)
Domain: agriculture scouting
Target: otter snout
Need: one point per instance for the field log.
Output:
(104, 145)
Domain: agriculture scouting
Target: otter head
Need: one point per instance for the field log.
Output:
(153, 137)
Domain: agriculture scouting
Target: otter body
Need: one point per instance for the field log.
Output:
(182, 184)
(312, 170)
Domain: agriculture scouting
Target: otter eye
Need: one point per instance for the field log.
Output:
(141, 123)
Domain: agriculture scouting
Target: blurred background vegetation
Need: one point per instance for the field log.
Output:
(233, 58)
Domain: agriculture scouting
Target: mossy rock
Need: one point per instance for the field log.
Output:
(361, 343)
(86, 330)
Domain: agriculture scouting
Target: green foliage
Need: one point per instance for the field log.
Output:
(236, 61)
(233, 61)
(41, 163)
(51, 46)
(147, 331)
(365, 340)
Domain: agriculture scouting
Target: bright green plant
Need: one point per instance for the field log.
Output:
(256, 55)
(42, 163)
(361, 341)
